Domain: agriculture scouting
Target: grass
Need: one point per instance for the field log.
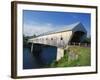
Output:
(84, 58)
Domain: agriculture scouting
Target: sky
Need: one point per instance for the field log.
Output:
(37, 22)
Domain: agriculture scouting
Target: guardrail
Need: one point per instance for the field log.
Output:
(79, 44)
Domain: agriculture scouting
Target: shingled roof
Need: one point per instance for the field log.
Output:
(71, 27)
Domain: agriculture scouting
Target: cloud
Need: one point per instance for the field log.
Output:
(31, 29)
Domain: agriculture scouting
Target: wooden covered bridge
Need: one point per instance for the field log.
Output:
(62, 37)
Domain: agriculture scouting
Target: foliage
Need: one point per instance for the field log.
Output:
(25, 40)
(87, 40)
(83, 58)
(34, 36)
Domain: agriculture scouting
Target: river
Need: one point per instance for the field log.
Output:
(47, 55)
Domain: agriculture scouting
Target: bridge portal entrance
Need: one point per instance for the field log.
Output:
(77, 37)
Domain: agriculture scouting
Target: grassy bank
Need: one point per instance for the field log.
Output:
(83, 58)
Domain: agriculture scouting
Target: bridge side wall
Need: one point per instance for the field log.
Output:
(60, 39)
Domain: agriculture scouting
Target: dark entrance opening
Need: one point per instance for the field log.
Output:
(77, 37)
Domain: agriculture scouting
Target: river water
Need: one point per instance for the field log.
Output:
(46, 56)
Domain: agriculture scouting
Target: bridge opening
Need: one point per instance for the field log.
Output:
(77, 37)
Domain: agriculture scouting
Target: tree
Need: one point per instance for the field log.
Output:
(87, 40)
(34, 36)
(25, 39)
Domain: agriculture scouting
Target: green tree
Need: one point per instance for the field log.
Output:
(25, 39)
(34, 36)
(87, 40)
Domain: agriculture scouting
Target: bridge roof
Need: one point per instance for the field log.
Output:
(65, 28)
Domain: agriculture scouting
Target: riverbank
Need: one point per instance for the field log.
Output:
(82, 57)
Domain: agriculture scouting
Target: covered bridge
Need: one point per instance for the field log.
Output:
(62, 37)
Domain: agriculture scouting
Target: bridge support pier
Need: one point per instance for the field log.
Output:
(60, 54)
(32, 48)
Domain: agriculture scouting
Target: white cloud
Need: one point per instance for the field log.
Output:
(30, 29)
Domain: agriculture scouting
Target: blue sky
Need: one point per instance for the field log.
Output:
(37, 22)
